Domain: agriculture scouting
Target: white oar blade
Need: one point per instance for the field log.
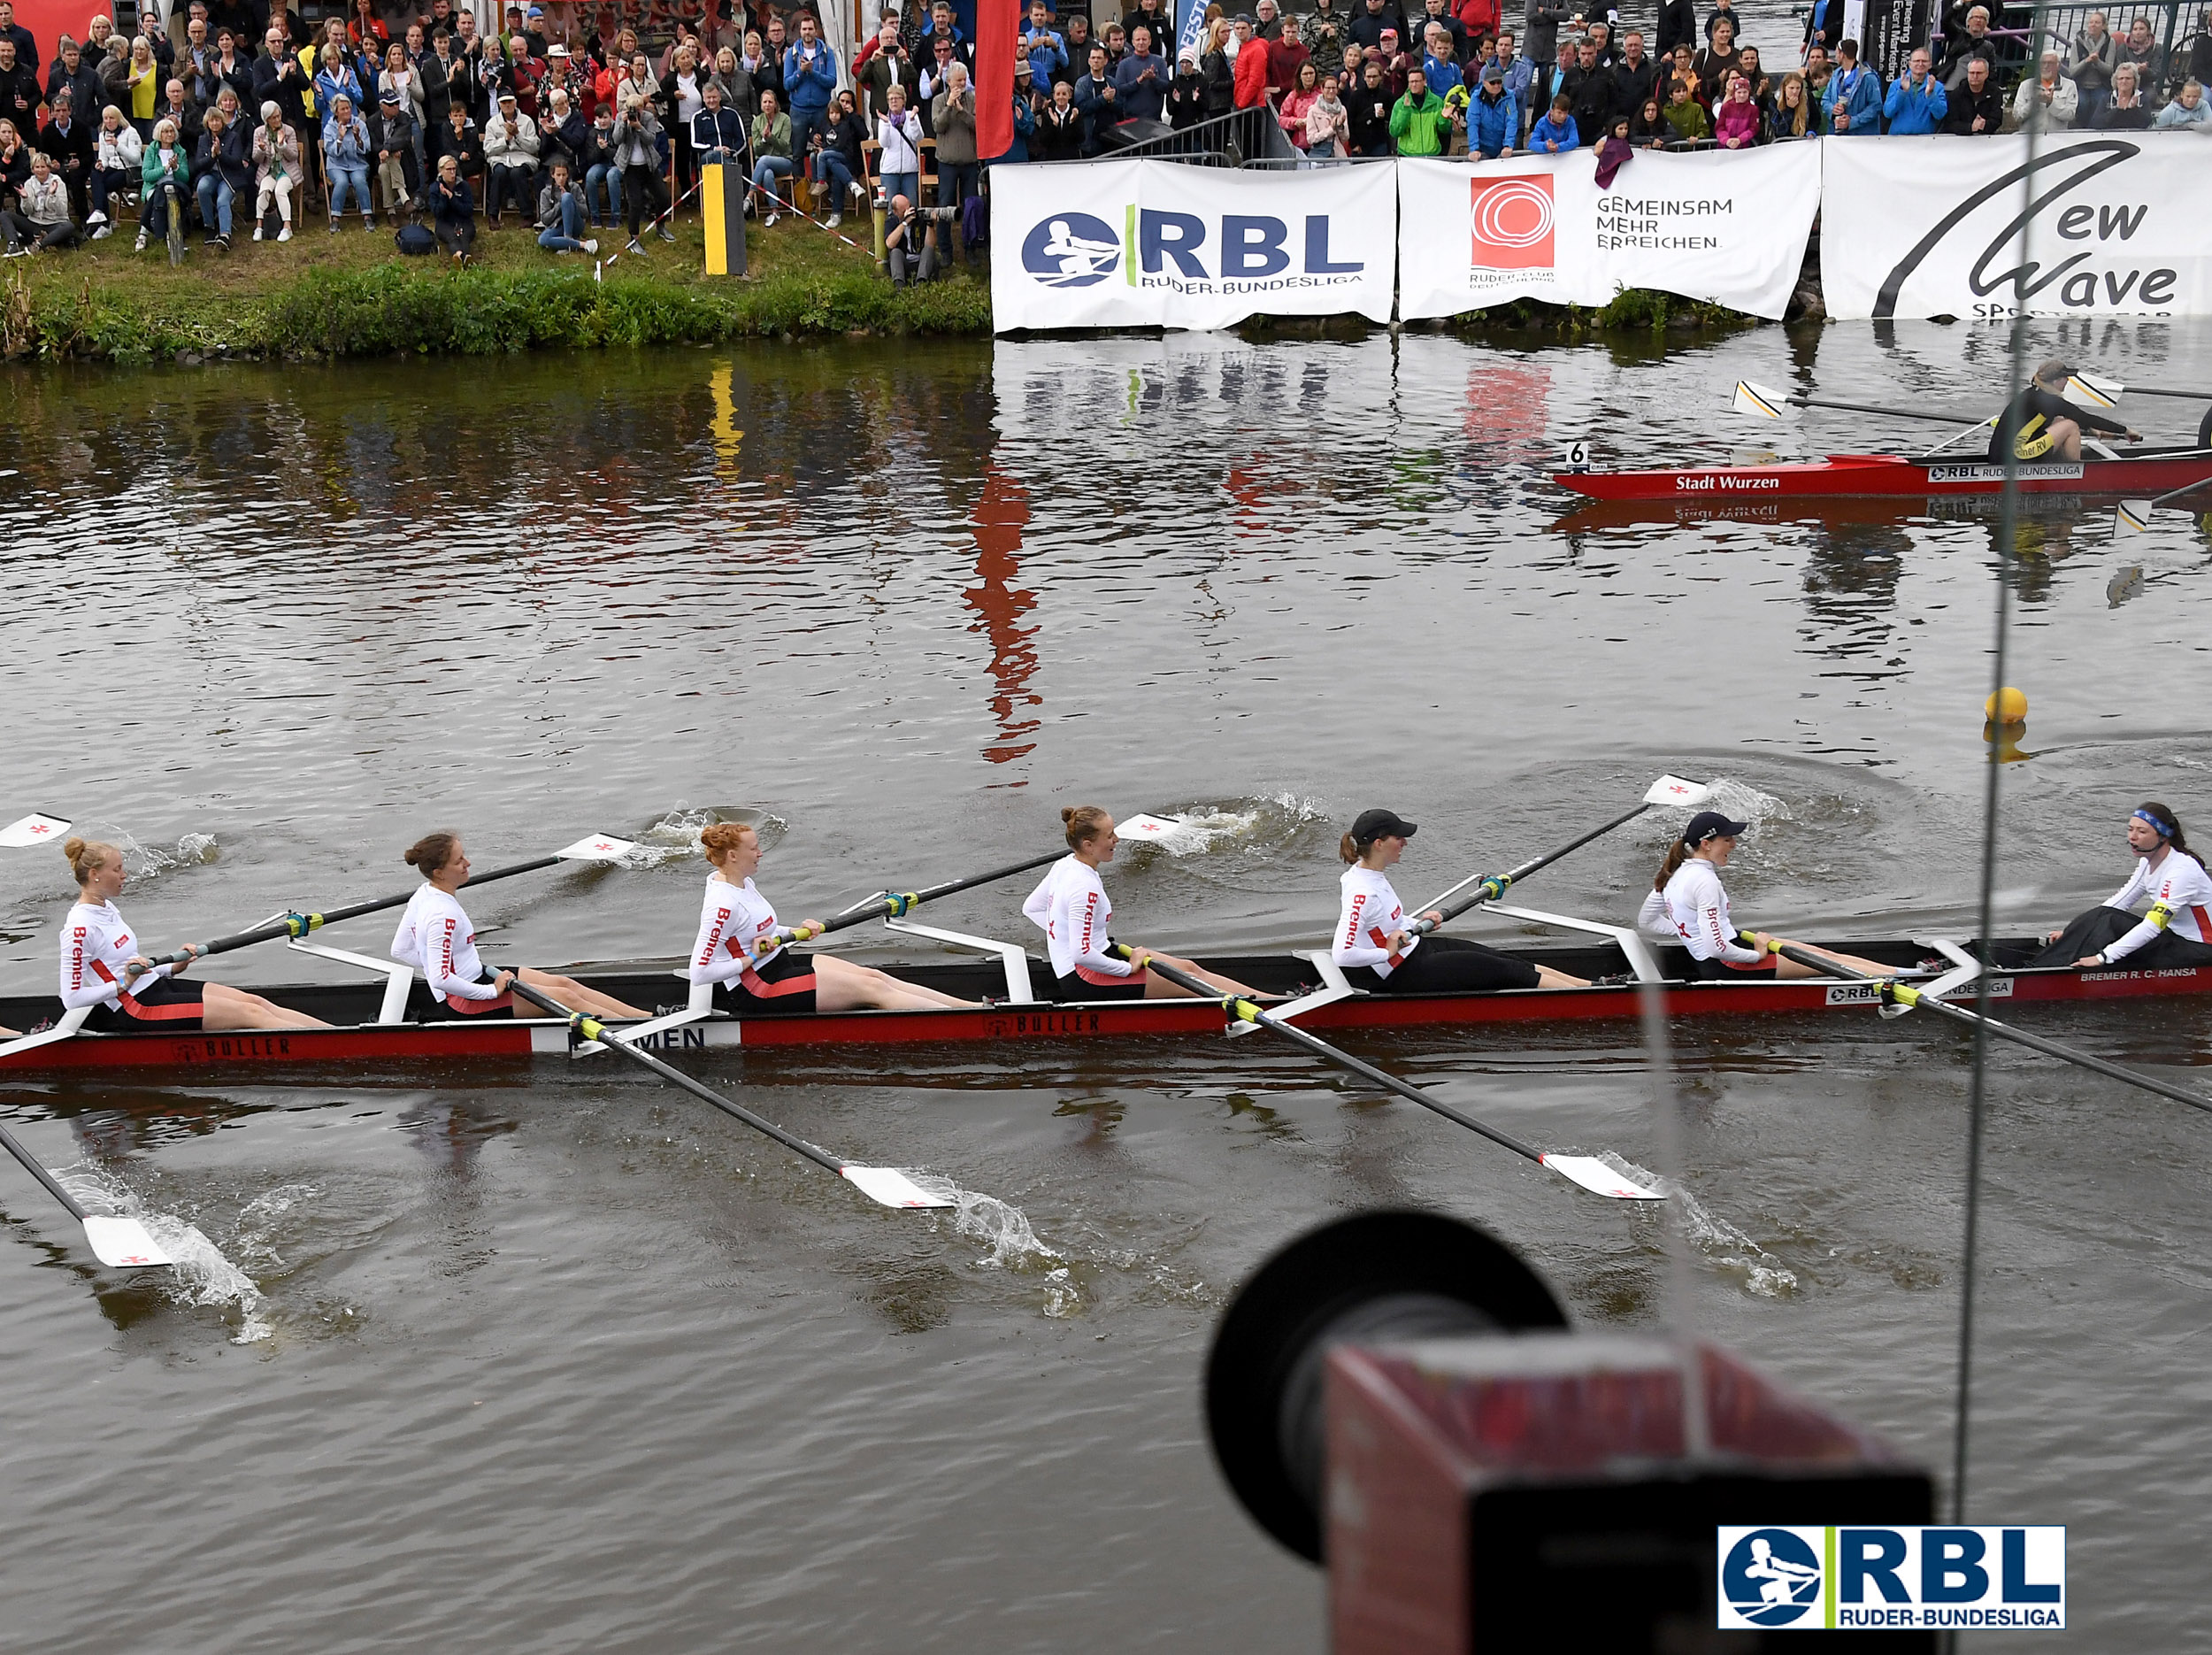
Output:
(1599, 1179)
(891, 1187)
(1761, 402)
(123, 1243)
(598, 847)
(1678, 791)
(1143, 827)
(33, 830)
(2087, 390)
(2132, 516)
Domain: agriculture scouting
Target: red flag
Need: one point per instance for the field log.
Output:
(997, 22)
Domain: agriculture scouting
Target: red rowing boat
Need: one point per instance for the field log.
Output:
(1895, 476)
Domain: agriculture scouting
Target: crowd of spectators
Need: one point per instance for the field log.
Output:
(235, 115)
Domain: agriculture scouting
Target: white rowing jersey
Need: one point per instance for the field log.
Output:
(1069, 906)
(1698, 908)
(436, 937)
(96, 945)
(1654, 920)
(1370, 915)
(730, 918)
(2180, 886)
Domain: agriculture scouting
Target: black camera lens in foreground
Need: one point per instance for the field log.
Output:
(1374, 1277)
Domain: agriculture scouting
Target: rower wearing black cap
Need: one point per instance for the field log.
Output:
(1376, 951)
(2041, 424)
(1688, 903)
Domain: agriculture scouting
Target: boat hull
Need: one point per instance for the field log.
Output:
(358, 1043)
(1894, 476)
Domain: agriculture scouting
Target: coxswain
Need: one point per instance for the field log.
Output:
(2041, 424)
(436, 937)
(2177, 931)
(1688, 905)
(127, 993)
(1069, 906)
(736, 920)
(1378, 954)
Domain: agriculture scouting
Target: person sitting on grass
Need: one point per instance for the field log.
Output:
(222, 168)
(41, 219)
(561, 213)
(456, 137)
(276, 171)
(166, 178)
(346, 160)
(453, 210)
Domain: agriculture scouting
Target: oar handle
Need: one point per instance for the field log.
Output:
(32, 1166)
(1244, 1011)
(892, 905)
(588, 1028)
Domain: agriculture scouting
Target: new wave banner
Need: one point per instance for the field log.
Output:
(1163, 244)
(1728, 227)
(2093, 224)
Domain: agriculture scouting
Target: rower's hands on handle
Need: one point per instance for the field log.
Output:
(1431, 916)
(501, 983)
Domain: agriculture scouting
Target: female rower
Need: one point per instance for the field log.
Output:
(2178, 929)
(436, 937)
(1688, 904)
(1377, 952)
(1069, 906)
(783, 979)
(97, 952)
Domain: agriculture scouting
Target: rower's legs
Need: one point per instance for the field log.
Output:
(1158, 988)
(574, 996)
(1547, 978)
(2065, 439)
(224, 1007)
(842, 986)
(1790, 968)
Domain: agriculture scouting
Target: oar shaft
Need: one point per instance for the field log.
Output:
(590, 1028)
(32, 1166)
(1345, 1060)
(894, 904)
(2003, 1031)
(1968, 420)
(2176, 493)
(1490, 887)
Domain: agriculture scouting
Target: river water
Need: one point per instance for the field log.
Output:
(561, 1361)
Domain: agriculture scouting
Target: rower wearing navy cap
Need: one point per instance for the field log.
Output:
(1378, 954)
(2176, 932)
(2042, 425)
(1688, 904)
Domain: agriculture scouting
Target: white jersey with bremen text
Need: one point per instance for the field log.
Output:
(96, 945)
(1369, 915)
(1069, 906)
(1698, 906)
(436, 937)
(2180, 886)
(730, 918)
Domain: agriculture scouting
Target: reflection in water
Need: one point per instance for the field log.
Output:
(1851, 575)
(1000, 517)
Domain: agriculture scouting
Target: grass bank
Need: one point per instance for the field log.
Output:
(352, 295)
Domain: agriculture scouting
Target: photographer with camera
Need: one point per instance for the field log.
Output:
(913, 241)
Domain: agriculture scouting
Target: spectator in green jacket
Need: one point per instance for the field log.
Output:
(1686, 118)
(1420, 123)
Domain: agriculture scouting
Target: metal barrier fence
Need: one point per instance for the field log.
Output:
(2022, 32)
(1243, 137)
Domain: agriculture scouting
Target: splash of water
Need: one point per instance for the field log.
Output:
(145, 861)
(1712, 1234)
(1270, 820)
(1745, 802)
(201, 1278)
(676, 834)
(1013, 1242)
(259, 1218)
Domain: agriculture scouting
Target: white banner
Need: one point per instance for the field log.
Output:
(1164, 244)
(1731, 228)
(1942, 227)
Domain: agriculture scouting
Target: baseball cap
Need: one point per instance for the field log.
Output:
(1373, 824)
(392, 98)
(1493, 73)
(1712, 825)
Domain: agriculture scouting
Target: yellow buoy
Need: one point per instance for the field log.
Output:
(2007, 706)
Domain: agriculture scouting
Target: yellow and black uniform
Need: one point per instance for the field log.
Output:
(2027, 425)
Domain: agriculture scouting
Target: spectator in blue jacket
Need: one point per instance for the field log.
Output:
(1141, 78)
(809, 80)
(1852, 100)
(1555, 133)
(1916, 102)
(1439, 64)
(1046, 51)
(1494, 119)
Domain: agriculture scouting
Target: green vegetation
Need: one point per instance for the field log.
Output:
(352, 295)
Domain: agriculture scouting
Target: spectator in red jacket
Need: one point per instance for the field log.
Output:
(1251, 67)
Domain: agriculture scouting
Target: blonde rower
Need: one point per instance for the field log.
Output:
(1688, 904)
(97, 951)
(748, 982)
(436, 938)
(1069, 906)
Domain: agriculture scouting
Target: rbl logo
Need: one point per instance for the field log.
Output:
(1512, 220)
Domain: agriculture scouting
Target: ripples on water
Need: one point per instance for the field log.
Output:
(565, 1356)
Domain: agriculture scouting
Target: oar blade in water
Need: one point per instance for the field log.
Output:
(123, 1243)
(1143, 827)
(1679, 791)
(1599, 1179)
(598, 847)
(36, 829)
(891, 1187)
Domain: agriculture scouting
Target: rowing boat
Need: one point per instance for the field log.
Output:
(1931, 476)
(369, 1026)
